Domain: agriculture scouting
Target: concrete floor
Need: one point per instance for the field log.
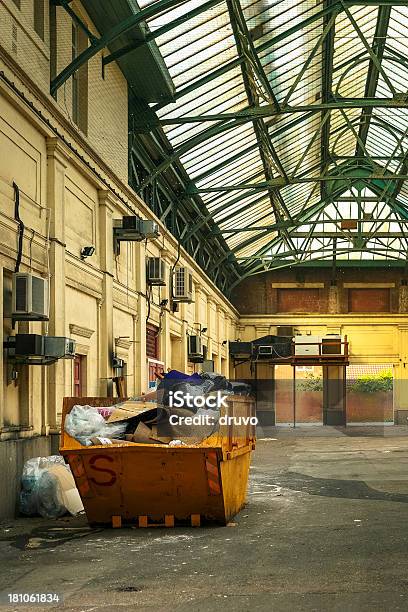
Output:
(325, 529)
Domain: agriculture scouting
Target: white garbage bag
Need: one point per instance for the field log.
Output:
(48, 488)
(86, 422)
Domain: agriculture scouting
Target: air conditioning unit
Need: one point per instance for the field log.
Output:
(195, 349)
(129, 223)
(150, 229)
(29, 297)
(39, 350)
(59, 347)
(285, 330)
(182, 285)
(156, 270)
(27, 345)
(131, 228)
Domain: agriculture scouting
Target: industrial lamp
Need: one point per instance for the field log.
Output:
(87, 251)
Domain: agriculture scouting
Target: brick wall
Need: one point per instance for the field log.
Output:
(260, 294)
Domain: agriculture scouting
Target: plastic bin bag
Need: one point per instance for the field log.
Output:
(41, 490)
(219, 382)
(86, 422)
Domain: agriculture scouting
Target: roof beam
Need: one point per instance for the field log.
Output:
(239, 60)
(100, 43)
(65, 4)
(279, 182)
(383, 19)
(371, 53)
(326, 79)
(205, 135)
(179, 209)
(268, 110)
(275, 40)
(160, 31)
(258, 88)
(277, 226)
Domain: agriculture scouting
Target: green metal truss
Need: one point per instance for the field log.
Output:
(350, 139)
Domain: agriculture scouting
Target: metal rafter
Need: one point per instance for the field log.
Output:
(257, 87)
(159, 32)
(98, 44)
(301, 192)
(327, 77)
(268, 110)
(373, 73)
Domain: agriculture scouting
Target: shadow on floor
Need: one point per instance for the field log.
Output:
(52, 534)
(327, 487)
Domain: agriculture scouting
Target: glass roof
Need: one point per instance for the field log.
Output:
(327, 138)
(279, 128)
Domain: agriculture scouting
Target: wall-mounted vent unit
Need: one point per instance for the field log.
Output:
(195, 349)
(131, 223)
(29, 297)
(131, 228)
(33, 349)
(156, 271)
(150, 229)
(28, 345)
(59, 347)
(182, 285)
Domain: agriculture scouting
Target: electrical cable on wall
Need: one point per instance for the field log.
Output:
(148, 291)
(31, 249)
(148, 298)
(48, 243)
(21, 226)
(162, 310)
(127, 274)
(116, 268)
(173, 268)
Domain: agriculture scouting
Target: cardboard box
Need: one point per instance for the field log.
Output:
(67, 489)
(130, 409)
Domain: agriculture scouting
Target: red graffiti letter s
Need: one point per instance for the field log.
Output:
(92, 464)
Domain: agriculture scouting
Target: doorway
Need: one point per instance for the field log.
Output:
(79, 379)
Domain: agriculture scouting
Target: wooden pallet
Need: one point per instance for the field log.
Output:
(143, 521)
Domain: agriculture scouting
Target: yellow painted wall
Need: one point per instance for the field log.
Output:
(372, 338)
(100, 302)
(72, 186)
